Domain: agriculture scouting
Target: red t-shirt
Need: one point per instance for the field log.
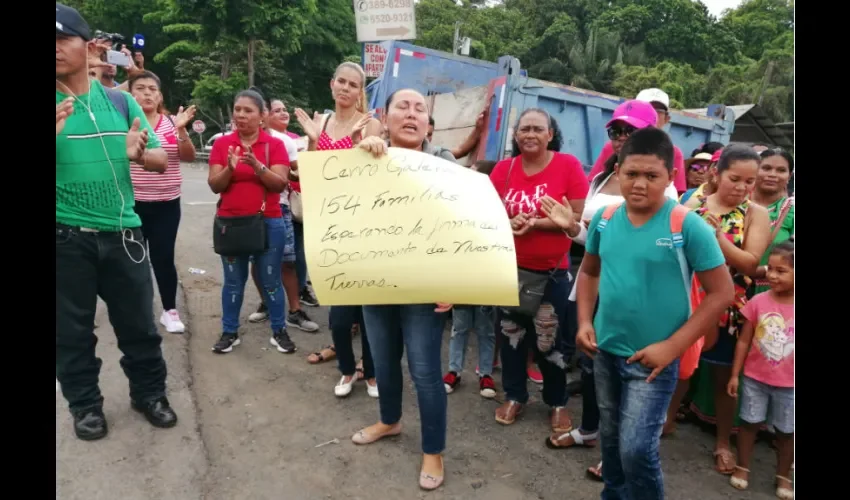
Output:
(244, 195)
(564, 176)
(678, 163)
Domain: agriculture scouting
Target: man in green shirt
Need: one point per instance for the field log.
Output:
(100, 250)
(640, 271)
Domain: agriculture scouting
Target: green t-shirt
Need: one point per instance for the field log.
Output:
(86, 194)
(642, 295)
(785, 232)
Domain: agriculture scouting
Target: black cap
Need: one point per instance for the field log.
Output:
(69, 22)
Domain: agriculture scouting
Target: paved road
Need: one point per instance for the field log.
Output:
(250, 422)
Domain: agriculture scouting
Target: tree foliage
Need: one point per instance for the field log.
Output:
(207, 50)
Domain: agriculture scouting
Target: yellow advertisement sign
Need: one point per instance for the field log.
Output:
(406, 228)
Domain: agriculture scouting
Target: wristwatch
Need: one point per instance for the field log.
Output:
(263, 169)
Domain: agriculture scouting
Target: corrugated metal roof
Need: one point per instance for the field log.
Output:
(779, 135)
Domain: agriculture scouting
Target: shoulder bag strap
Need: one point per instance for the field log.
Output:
(783, 212)
(265, 191)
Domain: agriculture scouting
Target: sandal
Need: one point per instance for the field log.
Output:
(737, 482)
(783, 492)
(326, 354)
(595, 473)
(724, 461)
(570, 439)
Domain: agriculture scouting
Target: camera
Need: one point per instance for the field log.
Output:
(115, 38)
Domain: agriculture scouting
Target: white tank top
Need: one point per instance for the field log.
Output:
(596, 200)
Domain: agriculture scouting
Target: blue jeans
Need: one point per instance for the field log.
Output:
(341, 319)
(552, 364)
(417, 328)
(300, 257)
(480, 319)
(632, 413)
(236, 274)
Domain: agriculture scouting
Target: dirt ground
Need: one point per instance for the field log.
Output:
(251, 422)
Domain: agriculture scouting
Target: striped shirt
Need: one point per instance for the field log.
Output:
(153, 186)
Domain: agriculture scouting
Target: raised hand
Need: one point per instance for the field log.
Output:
(183, 117)
(63, 110)
(560, 214)
(360, 127)
(137, 141)
(233, 156)
(310, 128)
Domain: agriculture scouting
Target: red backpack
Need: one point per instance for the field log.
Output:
(690, 359)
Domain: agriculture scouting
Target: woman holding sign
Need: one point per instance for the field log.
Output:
(542, 251)
(342, 130)
(415, 328)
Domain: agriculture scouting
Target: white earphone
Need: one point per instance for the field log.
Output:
(124, 231)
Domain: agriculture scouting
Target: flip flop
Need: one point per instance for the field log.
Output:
(326, 354)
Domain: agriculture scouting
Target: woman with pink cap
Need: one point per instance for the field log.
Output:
(604, 190)
(659, 102)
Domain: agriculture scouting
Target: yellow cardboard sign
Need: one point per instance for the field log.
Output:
(406, 228)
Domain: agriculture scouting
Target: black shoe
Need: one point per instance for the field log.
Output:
(284, 344)
(226, 343)
(308, 298)
(90, 424)
(158, 412)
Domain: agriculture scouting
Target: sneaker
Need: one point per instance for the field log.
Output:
(534, 375)
(299, 319)
(308, 298)
(226, 343)
(450, 381)
(171, 321)
(284, 344)
(261, 315)
(496, 366)
(487, 387)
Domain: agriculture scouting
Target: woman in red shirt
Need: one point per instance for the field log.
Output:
(249, 169)
(541, 247)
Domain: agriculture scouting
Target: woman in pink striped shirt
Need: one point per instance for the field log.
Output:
(158, 194)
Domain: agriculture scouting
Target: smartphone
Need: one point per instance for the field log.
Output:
(117, 58)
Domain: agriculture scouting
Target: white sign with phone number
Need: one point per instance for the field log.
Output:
(379, 20)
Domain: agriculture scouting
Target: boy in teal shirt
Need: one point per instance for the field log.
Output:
(642, 325)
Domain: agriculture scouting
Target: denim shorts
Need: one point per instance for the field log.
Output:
(288, 254)
(760, 401)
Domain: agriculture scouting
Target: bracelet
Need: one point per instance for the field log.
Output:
(263, 169)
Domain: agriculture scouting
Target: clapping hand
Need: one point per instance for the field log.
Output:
(233, 157)
(63, 110)
(181, 121)
(137, 141)
(560, 214)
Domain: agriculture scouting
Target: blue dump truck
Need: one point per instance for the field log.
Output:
(460, 87)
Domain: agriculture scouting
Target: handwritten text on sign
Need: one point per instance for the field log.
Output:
(407, 228)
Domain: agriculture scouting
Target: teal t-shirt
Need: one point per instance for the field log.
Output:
(642, 295)
(86, 195)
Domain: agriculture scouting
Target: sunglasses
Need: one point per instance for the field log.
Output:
(696, 167)
(616, 132)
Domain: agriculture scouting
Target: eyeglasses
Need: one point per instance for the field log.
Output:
(615, 132)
